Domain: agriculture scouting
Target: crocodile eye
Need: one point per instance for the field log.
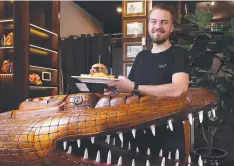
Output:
(78, 100)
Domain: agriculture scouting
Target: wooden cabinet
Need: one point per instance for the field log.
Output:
(29, 57)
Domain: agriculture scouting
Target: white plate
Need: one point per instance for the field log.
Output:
(97, 80)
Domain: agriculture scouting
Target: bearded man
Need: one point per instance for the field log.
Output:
(161, 71)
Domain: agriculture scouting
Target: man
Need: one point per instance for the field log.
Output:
(161, 71)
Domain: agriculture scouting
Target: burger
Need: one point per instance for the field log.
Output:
(99, 70)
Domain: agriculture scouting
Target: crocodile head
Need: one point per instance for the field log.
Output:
(90, 129)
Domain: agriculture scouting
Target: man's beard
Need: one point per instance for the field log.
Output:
(158, 39)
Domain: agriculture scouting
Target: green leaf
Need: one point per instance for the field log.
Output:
(201, 18)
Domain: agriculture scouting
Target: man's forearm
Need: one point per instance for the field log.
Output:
(162, 90)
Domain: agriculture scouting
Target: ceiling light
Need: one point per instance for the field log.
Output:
(212, 3)
(119, 9)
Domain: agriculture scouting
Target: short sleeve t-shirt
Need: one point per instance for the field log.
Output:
(158, 68)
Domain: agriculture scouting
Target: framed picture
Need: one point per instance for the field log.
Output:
(130, 50)
(134, 8)
(134, 28)
(127, 68)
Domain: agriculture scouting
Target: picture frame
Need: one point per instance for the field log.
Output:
(133, 8)
(131, 49)
(134, 28)
(127, 68)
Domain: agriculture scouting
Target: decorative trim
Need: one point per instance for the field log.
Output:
(130, 50)
(134, 28)
(134, 8)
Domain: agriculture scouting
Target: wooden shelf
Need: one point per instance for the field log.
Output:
(32, 26)
(6, 47)
(42, 68)
(44, 49)
(35, 28)
(41, 87)
(4, 74)
(6, 21)
(7, 10)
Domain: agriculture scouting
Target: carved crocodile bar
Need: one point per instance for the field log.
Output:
(72, 129)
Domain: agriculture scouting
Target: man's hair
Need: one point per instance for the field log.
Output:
(163, 6)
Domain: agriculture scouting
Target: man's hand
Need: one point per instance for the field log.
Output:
(109, 92)
(123, 85)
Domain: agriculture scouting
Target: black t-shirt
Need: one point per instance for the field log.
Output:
(158, 68)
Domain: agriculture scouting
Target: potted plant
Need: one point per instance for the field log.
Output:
(205, 46)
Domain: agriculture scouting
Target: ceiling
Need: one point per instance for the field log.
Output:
(105, 11)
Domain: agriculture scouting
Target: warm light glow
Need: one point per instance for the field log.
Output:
(37, 51)
(7, 74)
(38, 33)
(9, 20)
(43, 29)
(212, 3)
(42, 68)
(43, 87)
(42, 48)
(119, 9)
(6, 47)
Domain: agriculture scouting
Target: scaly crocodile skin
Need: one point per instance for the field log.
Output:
(28, 136)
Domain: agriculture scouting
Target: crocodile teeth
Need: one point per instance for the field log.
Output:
(200, 162)
(190, 118)
(188, 164)
(189, 159)
(107, 139)
(109, 157)
(169, 155)
(129, 145)
(137, 149)
(177, 154)
(121, 137)
(199, 159)
(213, 112)
(148, 151)
(177, 164)
(64, 145)
(200, 116)
(86, 154)
(147, 163)
(183, 122)
(161, 153)
(121, 144)
(120, 161)
(209, 114)
(98, 157)
(152, 127)
(69, 150)
(170, 124)
(144, 131)
(163, 162)
(92, 140)
(134, 133)
(113, 142)
(78, 143)
(133, 162)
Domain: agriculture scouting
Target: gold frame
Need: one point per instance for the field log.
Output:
(125, 44)
(132, 21)
(144, 7)
(125, 65)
